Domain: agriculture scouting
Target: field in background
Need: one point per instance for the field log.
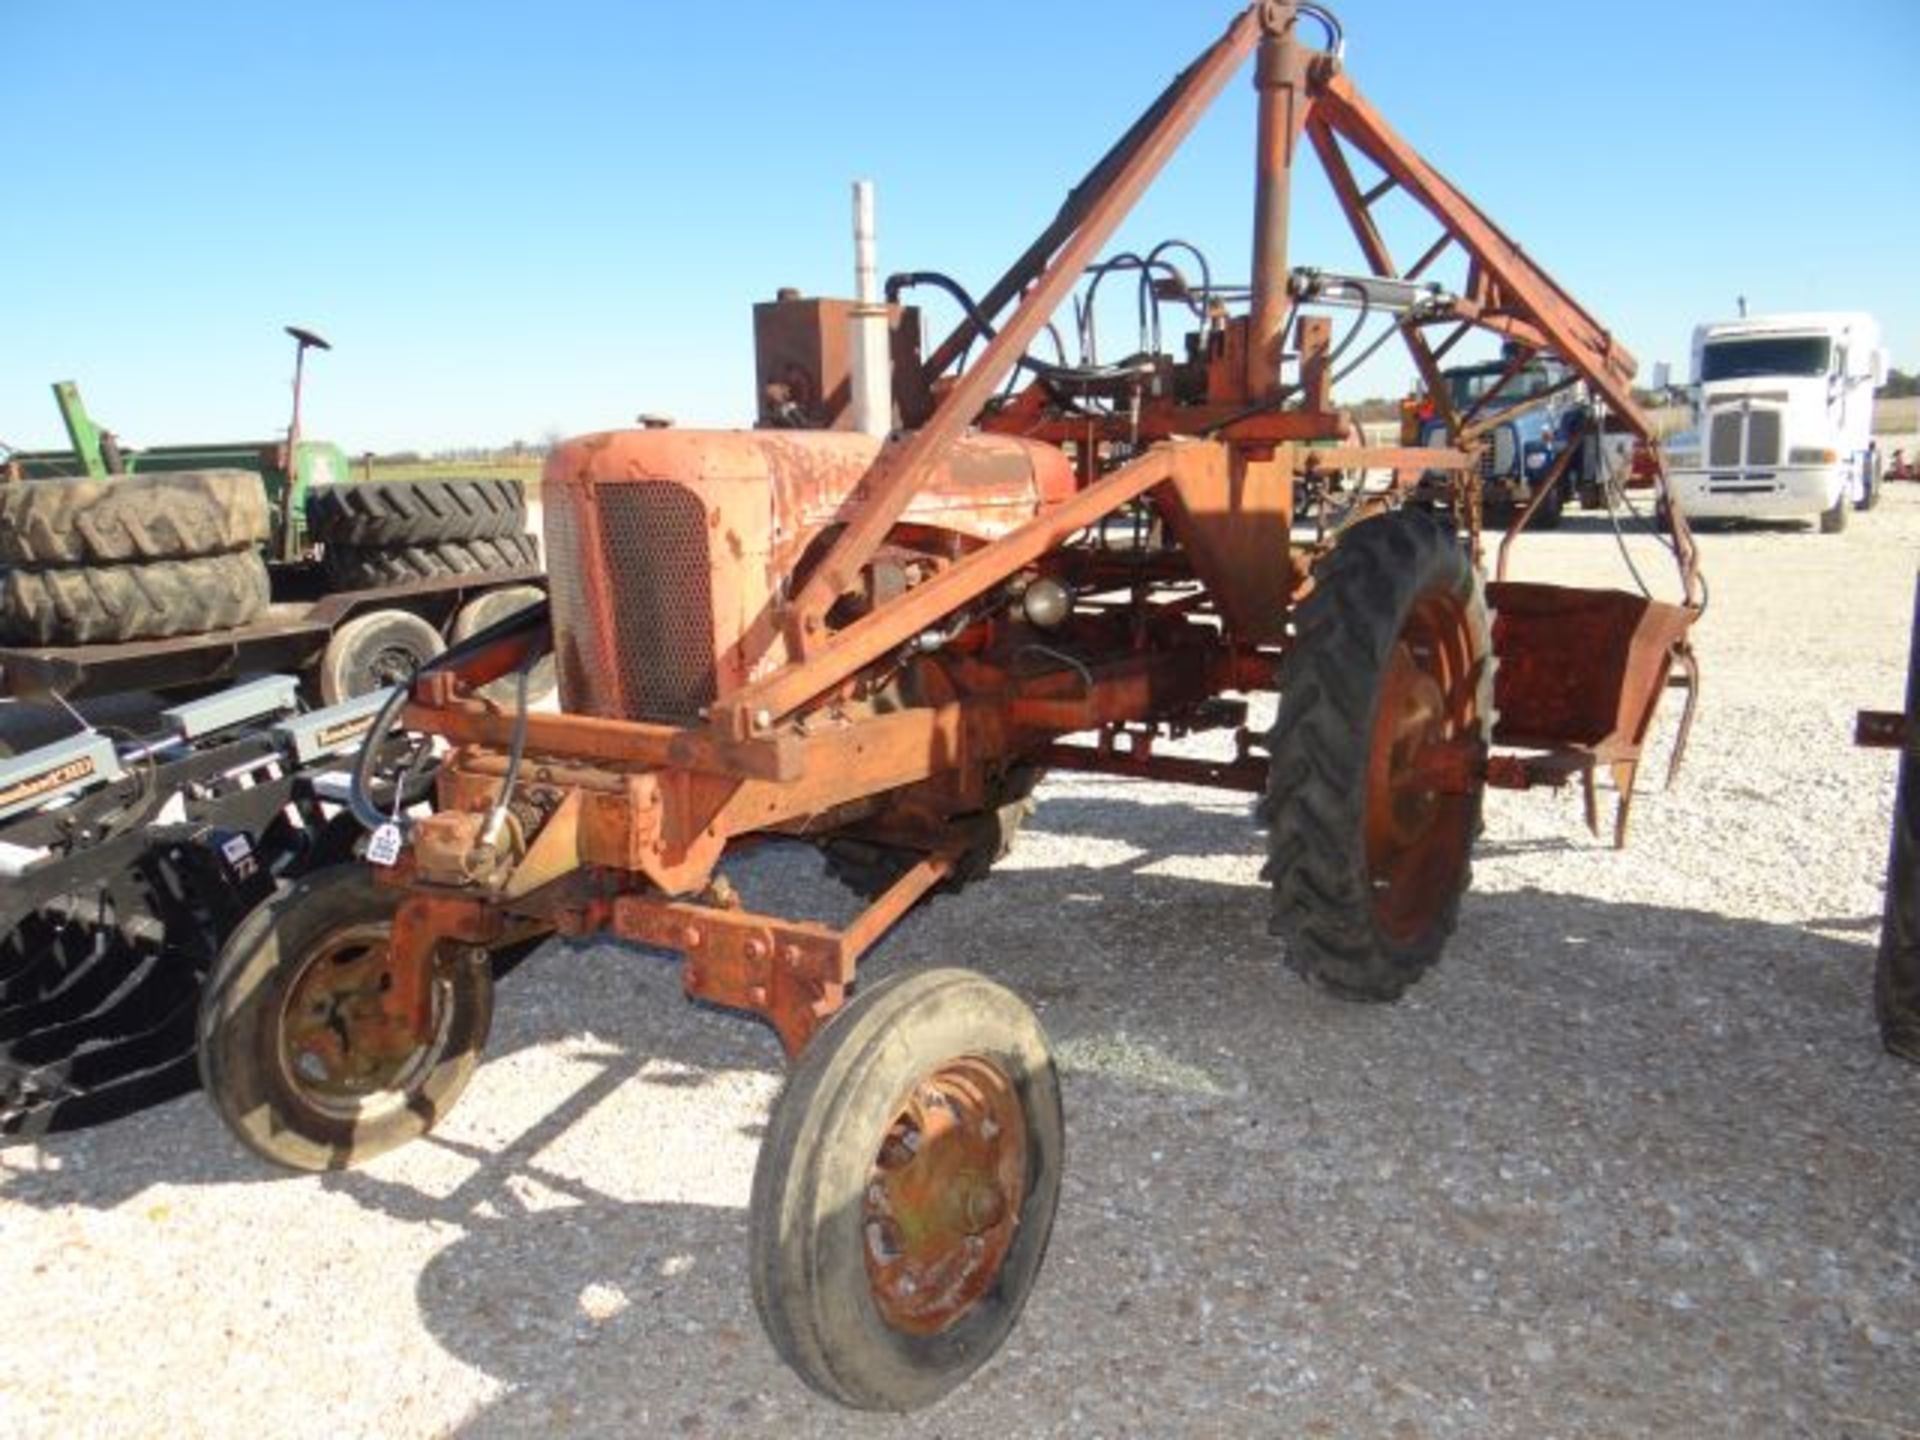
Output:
(525, 468)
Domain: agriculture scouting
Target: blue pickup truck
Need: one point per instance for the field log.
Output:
(1519, 452)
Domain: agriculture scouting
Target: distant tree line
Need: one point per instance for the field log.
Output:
(1899, 386)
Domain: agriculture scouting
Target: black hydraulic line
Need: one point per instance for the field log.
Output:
(1069, 374)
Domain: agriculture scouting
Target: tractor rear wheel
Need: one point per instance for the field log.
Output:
(103, 604)
(415, 512)
(906, 1189)
(1391, 666)
(353, 567)
(295, 1053)
(179, 516)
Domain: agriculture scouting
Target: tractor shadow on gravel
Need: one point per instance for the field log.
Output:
(1257, 1173)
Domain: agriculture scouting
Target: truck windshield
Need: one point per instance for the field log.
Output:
(1467, 386)
(1765, 355)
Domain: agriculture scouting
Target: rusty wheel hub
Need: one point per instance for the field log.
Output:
(1417, 836)
(338, 1044)
(943, 1199)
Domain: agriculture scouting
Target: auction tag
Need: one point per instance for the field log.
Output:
(384, 848)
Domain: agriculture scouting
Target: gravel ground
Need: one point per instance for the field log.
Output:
(1630, 1162)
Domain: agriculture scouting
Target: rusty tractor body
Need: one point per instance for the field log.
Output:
(875, 647)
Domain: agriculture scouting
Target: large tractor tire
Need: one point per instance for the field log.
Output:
(105, 604)
(906, 1189)
(1391, 656)
(869, 869)
(132, 518)
(415, 512)
(351, 567)
(294, 1052)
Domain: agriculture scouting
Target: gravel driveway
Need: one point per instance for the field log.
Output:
(1630, 1162)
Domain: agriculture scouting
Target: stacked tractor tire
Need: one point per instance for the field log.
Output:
(132, 558)
(377, 534)
(394, 532)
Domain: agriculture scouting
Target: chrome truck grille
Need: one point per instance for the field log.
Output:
(1738, 437)
(631, 587)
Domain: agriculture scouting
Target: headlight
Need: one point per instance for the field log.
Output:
(1536, 459)
(1810, 455)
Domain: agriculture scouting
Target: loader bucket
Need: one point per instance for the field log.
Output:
(1581, 673)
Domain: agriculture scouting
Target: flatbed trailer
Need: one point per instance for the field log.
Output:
(291, 638)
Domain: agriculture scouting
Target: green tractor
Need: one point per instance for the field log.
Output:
(176, 566)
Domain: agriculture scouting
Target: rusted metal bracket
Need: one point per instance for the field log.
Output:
(792, 973)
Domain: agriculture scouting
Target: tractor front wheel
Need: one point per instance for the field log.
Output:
(296, 1052)
(906, 1189)
(1387, 689)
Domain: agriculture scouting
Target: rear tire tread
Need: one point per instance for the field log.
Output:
(415, 512)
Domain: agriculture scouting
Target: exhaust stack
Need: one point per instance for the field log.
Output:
(872, 369)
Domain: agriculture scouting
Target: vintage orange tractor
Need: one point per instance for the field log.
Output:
(875, 643)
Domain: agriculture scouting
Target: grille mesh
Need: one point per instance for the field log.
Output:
(1723, 443)
(576, 638)
(1763, 437)
(654, 559)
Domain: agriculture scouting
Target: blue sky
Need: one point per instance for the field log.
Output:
(514, 221)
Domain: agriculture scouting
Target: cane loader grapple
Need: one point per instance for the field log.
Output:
(875, 643)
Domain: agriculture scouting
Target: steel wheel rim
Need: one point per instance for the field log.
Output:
(943, 1196)
(1417, 837)
(336, 1050)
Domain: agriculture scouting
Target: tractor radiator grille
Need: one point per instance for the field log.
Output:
(632, 603)
(653, 541)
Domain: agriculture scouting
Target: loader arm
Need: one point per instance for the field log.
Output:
(1301, 91)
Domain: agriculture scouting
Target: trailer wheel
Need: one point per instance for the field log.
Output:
(373, 651)
(105, 604)
(178, 516)
(1833, 520)
(415, 512)
(906, 1189)
(291, 1039)
(1391, 657)
(351, 567)
(490, 609)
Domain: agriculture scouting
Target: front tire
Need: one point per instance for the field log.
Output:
(1392, 656)
(906, 1190)
(1833, 520)
(293, 1050)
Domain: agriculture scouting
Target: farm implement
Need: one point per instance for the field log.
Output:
(126, 863)
(170, 567)
(872, 624)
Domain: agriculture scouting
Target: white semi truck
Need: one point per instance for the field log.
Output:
(1783, 410)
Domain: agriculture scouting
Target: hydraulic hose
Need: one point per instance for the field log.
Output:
(1069, 374)
(360, 801)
